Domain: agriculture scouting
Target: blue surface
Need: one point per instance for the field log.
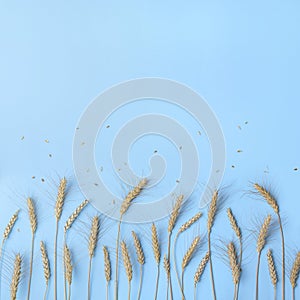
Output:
(243, 58)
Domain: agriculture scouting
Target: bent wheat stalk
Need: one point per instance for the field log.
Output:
(33, 225)
(60, 200)
(182, 229)
(124, 208)
(274, 204)
(261, 242)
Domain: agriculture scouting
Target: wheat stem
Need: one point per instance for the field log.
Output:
(46, 291)
(157, 281)
(283, 256)
(31, 266)
(175, 264)
(257, 275)
(55, 260)
(211, 268)
(89, 278)
(117, 259)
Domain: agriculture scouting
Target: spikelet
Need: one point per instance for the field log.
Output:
(126, 261)
(75, 215)
(263, 233)
(294, 275)
(107, 265)
(10, 225)
(155, 243)
(16, 277)
(234, 265)
(175, 213)
(190, 222)
(272, 268)
(46, 264)
(167, 266)
(212, 211)
(132, 195)
(138, 249)
(189, 254)
(267, 196)
(234, 224)
(68, 265)
(201, 268)
(93, 238)
(60, 199)
(32, 215)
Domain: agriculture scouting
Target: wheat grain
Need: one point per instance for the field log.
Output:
(201, 268)
(234, 265)
(190, 222)
(75, 215)
(126, 261)
(94, 234)
(189, 254)
(16, 277)
(272, 268)
(263, 233)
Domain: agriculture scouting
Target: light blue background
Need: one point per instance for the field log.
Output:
(55, 57)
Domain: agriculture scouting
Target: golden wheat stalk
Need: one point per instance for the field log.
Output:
(156, 253)
(261, 242)
(274, 204)
(75, 215)
(199, 272)
(33, 225)
(107, 269)
(182, 229)
(16, 277)
(127, 265)
(210, 221)
(46, 266)
(272, 271)
(68, 268)
(93, 240)
(234, 266)
(140, 259)
(60, 200)
(294, 275)
(134, 193)
(172, 222)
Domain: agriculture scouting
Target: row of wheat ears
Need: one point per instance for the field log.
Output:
(234, 256)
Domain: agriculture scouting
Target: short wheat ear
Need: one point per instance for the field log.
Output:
(199, 272)
(270, 199)
(46, 267)
(68, 269)
(272, 271)
(234, 266)
(294, 275)
(127, 265)
(156, 253)
(107, 269)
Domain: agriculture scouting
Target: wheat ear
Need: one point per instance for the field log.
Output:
(156, 253)
(274, 204)
(272, 271)
(68, 268)
(140, 259)
(210, 221)
(172, 221)
(16, 277)
(234, 266)
(167, 268)
(60, 200)
(46, 266)
(75, 215)
(127, 265)
(261, 242)
(134, 193)
(294, 275)
(33, 225)
(93, 240)
(107, 269)
(199, 272)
